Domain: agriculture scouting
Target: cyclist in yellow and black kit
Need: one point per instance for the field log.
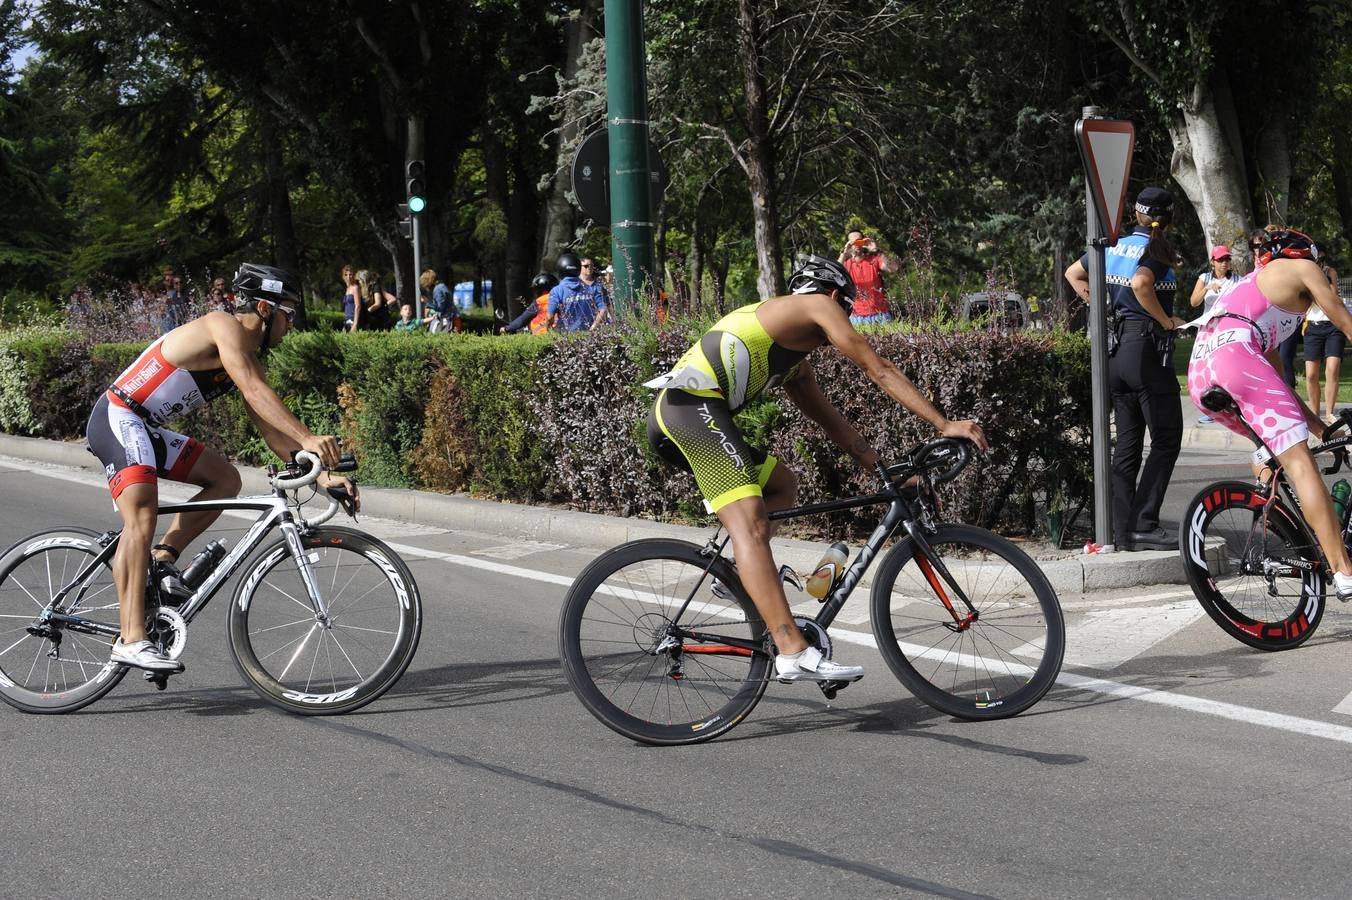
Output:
(691, 426)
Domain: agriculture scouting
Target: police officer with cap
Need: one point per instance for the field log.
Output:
(1141, 289)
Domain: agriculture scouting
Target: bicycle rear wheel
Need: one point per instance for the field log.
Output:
(295, 661)
(990, 664)
(59, 669)
(1254, 569)
(634, 672)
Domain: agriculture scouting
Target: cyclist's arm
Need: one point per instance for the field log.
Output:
(836, 325)
(807, 395)
(280, 428)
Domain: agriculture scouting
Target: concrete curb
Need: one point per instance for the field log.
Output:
(1068, 576)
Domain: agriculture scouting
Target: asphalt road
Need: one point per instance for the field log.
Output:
(1170, 761)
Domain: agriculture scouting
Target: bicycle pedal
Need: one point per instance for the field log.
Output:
(831, 688)
(159, 679)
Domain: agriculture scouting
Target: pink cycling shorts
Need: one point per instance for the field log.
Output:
(1225, 356)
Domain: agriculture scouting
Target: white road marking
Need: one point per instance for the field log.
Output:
(1106, 638)
(517, 550)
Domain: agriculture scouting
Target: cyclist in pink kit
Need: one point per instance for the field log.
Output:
(1237, 349)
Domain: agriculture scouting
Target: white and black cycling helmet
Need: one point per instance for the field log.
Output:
(258, 282)
(819, 275)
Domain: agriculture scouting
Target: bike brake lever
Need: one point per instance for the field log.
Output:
(345, 500)
(1339, 460)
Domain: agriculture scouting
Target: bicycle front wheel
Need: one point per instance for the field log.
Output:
(643, 673)
(46, 666)
(990, 661)
(295, 659)
(1254, 569)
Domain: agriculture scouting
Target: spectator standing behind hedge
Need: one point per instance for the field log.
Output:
(866, 263)
(175, 304)
(351, 299)
(407, 322)
(220, 298)
(376, 303)
(1324, 343)
(535, 316)
(445, 315)
(574, 304)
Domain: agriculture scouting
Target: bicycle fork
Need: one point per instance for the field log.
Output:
(937, 574)
(291, 534)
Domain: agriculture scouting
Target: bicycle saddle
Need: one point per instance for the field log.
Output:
(1218, 399)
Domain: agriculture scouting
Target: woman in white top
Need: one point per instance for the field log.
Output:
(1209, 287)
(1324, 342)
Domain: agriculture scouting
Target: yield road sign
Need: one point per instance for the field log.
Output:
(1105, 147)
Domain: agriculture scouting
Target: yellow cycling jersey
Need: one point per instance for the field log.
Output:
(735, 359)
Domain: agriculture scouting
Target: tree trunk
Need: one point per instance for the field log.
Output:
(1342, 188)
(520, 236)
(284, 247)
(559, 220)
(1273, 157)
(1206, 166)
(760, 154)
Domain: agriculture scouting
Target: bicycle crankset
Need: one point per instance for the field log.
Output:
(817, 637)
(169, 630)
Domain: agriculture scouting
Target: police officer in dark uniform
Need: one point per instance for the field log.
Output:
(1141, 288)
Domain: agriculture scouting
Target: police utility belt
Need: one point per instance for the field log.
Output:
(1120, 324)
(136, 407)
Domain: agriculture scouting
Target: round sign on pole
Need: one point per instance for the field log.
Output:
(591, 177)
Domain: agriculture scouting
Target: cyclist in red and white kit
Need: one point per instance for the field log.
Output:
(182, 371)
(1237, 348)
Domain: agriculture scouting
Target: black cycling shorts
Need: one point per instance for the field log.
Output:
(697, 433)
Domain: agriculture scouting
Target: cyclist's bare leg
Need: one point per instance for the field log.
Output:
(1303, 471)
(750, 530)
(218, 480)
(780, 492)
(137, 504)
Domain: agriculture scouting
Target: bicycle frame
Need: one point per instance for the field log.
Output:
(899, 513)
(275, 512)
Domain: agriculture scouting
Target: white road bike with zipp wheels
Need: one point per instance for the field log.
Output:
(323, 620)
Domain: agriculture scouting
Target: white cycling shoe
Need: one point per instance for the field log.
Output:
(144, 655)
(1343, 585)
(810, 665)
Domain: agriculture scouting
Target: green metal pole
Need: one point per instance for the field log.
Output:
(631, 213)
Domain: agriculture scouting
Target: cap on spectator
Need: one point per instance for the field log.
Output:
(1220, 251)
(1154, 198)
(609, 270)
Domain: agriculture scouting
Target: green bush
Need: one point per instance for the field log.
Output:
(563, 419)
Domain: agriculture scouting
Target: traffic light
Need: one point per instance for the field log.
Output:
(417, 186)
(405, 221)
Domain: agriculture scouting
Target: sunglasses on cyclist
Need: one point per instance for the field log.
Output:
(288, 311)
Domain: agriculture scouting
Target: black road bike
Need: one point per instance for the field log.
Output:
(324, 620)
(1252, 560)
(661, 642)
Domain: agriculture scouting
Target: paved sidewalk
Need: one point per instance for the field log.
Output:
(1069, 576)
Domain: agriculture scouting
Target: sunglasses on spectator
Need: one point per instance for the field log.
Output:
(1222, 259)
(588, 266)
